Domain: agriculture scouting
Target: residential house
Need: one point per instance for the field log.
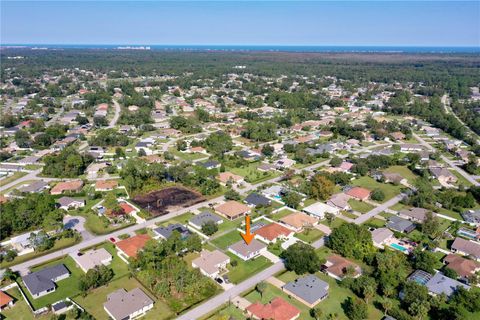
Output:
(273, 231)
(462, 266)
(297, 221)
(248, 252)
(284, 163)
(472, 216)
(42, 282)
(394, 178)
(232, 209)
(338, 267)
(256, 200)
(67, 186)
(274, 191)
(277, 309)
(309, 290)
(5, 300)
(166, 232)
(129, 247)
(319, 209)
(358, 193)
(440, 284)
(106, 185)
(67, 203)
(34, 187)
(123, 305)
(397, 135)
(409, 147)
(466, 248)
(400, 225)
(380, 236)
(415, 214)
(211, 263)
(340, 201)
(443, 175)
(228, 177)
(211, 164)
(205, 216)
(92, 258)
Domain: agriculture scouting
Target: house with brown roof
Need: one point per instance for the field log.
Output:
(297, 221)
(277, 309)
(106, 185)
(123, 305)
(462, 266)
(67, 186)
(228, 177)
(394, 178)
(232, 209)
(211, 263)
(415, 214)
(338, 267)
(397, 135)
(129, 247)
(340, 201)
(273, 231)
(358, 193)
(5, 300)
(466, 248)
(247, 252)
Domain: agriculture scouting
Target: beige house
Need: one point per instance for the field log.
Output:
(211, 263)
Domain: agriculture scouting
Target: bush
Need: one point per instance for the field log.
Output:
(378, 195)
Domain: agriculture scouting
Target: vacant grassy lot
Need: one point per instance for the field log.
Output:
(93, 302)
(246, 269)
(227, 239)
(227, 312)
(310, 235)
(389, 190)
(360, 206)
(65, 288)
(374, 222)
(20, 310)
(252, 175)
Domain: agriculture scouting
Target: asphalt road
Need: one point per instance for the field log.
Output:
(116, 116)
(372, 213)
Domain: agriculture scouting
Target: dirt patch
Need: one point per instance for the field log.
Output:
(162, 201)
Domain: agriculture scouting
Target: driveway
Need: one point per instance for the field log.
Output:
(77, 223)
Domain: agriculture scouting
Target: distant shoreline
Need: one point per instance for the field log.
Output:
(251, 48)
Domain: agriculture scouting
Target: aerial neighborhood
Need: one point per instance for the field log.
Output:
(126, 184)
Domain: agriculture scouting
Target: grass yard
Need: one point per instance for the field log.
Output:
(20, 310)
(389, 190)
(374, 222)
(280, 214)
(227, 239)
(96, 224)
(252, 175)
(227, 312)
(13, 177)
(403, 171)
(348, 215)
(337, 295)
(461, 179)
(93, 302)
(360, 206)
(449, 213)
(65, 288)
(337, 222)
(245, 269)
(186, 155)
(119, 267)
(59, 244)
(310, 236)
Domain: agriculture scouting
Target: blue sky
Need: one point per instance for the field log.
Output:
(383, 23)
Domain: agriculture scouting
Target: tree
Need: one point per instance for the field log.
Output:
(419, 309)
(424, 259)
(364, 286)
(321, 187)
(141, 152)
(316, 313)
(386, 304)
(355, 309)
(261, 287)
(391, 268)
(330, 217)
(22, 138)
(267, 150)
(431, 226)
(378, 195)
(291, 199)
(450, 273)
(336, 161)
(231, 194)
(351, 241)
(209, 228)
(181, 145)
(301, 258)
(218, 143)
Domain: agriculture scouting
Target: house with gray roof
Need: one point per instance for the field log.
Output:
(440, 284)
(255, 199)
(211, 164)
(42, 282)
(34, 187)
(200, 219)
(166, 232)
(247, 252)
(309, 290)
(401, 225)
(472, 216)
(123, 305)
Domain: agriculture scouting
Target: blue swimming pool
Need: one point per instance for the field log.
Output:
(398, 247)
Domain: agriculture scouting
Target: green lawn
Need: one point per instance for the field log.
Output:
(246, 269)
(337, 295)
(398, 207)
(360, 206)
(461, 179)
(96, 225)
(13, 177)
(59, 244)
(374, 222)
(389, 190)
(65, 288)
(93, 302)
(280, 214)
(186, 155)
(227, 239)
(251, 174)
(310, 236)
(403, 171)
(20, 310)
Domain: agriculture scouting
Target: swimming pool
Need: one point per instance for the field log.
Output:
(398, 247)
